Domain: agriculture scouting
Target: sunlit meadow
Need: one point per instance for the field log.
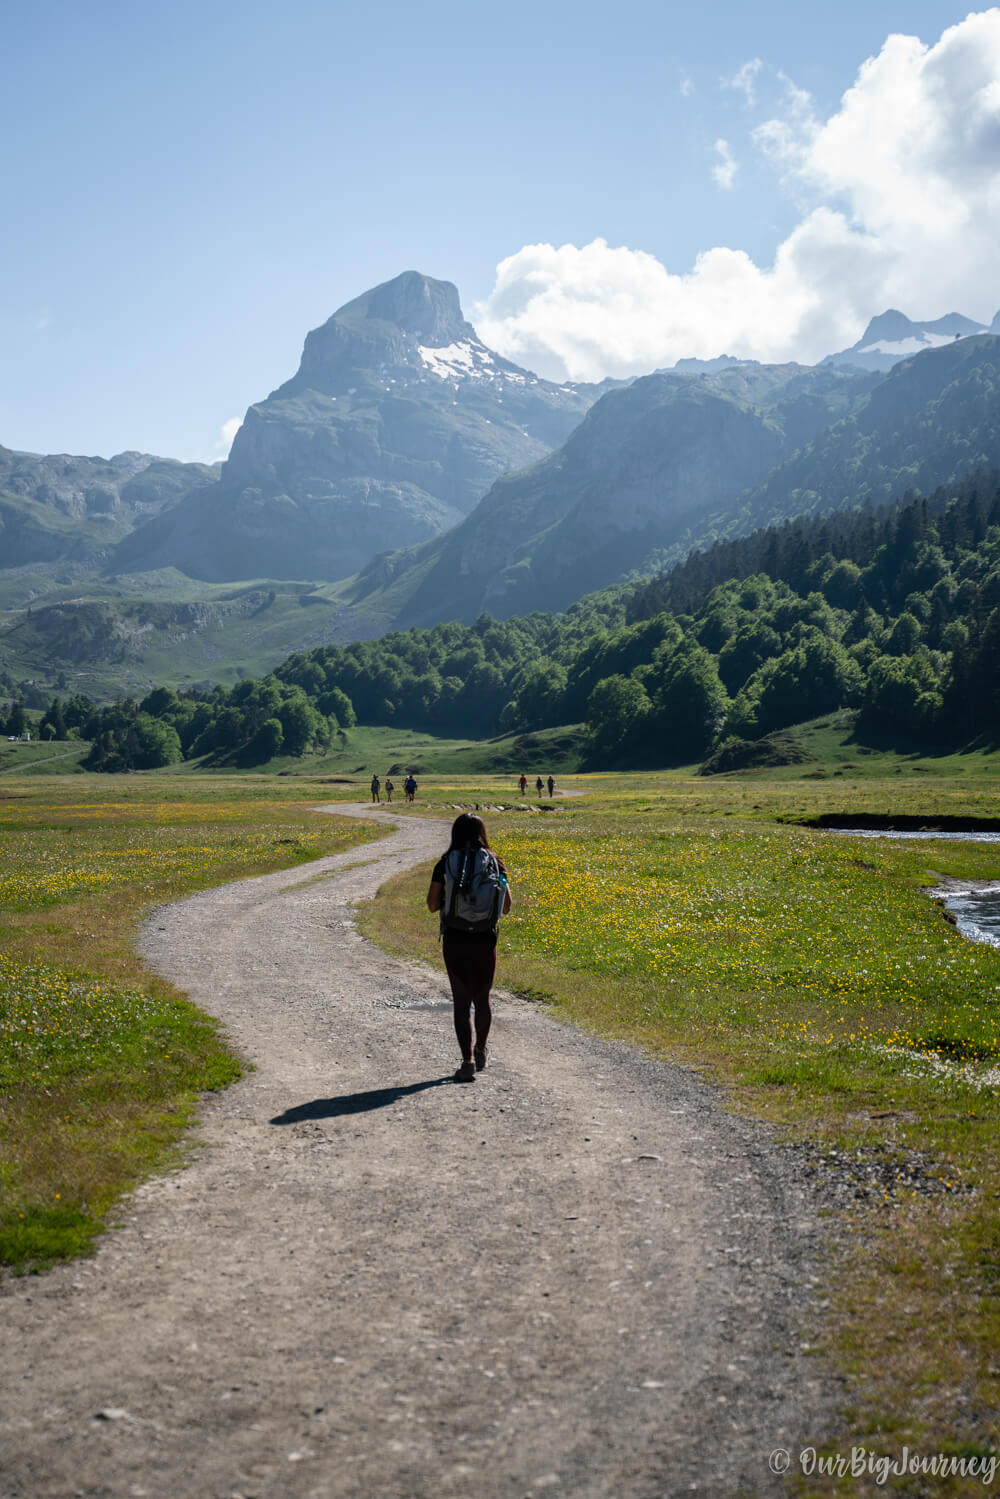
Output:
(814, 977)
(99, 1061)
(796, 935)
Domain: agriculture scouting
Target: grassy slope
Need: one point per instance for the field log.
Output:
(100, 1061)
(51, 757)
(366, 749)
(156, 647)
(693, 917)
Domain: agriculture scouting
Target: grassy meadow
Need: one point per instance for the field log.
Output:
(52, 757)
(101, 1061)
(154, 628)
(813, 977)
(369, 748)
(808, 973)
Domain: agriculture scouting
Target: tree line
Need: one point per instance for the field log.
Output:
(892, 610)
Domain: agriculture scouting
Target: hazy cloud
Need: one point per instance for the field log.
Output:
(227, 432)
(900, 194)
(687, 87)
(726, 167)
(745, 79)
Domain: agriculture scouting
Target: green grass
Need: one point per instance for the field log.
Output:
(101, 1063)
(833, 748)
(237, 629)
(809, 974)
(814, 978)
(369, 749)
(59, 757)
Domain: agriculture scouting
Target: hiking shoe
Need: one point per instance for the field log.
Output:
(466, 1073)
(479, 1056)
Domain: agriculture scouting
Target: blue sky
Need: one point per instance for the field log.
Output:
(189, 188)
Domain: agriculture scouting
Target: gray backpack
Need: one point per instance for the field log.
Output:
(474, 887)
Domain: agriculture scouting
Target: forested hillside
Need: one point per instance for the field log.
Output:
(654, 469)
(894, 611)
(675, 461)
(932, 421)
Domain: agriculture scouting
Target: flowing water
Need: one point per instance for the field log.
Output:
(976, 910)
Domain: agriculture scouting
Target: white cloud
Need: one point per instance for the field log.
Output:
(227, 432)
(745, 79)
(900, 194)
(686, 87)
(786, 137)
(726, 167)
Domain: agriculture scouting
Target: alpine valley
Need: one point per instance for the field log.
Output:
(408, 474)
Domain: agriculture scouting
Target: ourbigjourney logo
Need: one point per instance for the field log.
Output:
(862, 1463)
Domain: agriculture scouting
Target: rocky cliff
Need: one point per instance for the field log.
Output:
(397, 421)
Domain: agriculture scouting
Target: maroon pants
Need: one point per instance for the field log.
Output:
(471, 961)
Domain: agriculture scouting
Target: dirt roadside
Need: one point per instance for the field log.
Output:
(577, 1276)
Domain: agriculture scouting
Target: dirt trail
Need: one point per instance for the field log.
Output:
(25, 766)
(577, 1276)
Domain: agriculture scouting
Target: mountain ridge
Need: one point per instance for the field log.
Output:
(671, 462)
(384, 431)
(63, 506)
(590, 515)
(891, 336)
(647, 469)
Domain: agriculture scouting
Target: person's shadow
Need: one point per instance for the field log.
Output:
(354, 1103)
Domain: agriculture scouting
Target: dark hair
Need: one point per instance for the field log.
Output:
(468, 828)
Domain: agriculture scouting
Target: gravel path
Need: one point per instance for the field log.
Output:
(578, 1276)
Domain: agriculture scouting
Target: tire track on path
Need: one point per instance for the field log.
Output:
(579, 1276)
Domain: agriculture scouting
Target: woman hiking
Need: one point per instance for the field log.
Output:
(469, 888)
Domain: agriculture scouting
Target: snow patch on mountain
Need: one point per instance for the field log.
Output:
(905, 346)
(458, 361)
(893, 336)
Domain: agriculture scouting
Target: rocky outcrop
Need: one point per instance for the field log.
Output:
(56, 507)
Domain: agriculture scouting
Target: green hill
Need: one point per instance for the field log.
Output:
(893, 614)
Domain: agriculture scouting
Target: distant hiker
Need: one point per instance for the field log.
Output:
(552, 787)
(469, 888)
(410, 787)
(539, 787)
(376, 789)
(523, 782)
(389, 789)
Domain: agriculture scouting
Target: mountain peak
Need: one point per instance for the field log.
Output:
(891, 324)
(419, 305)
(893, 327)
(426, 309)
(893, 336)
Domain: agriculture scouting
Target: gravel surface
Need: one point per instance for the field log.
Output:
(577, 1276)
